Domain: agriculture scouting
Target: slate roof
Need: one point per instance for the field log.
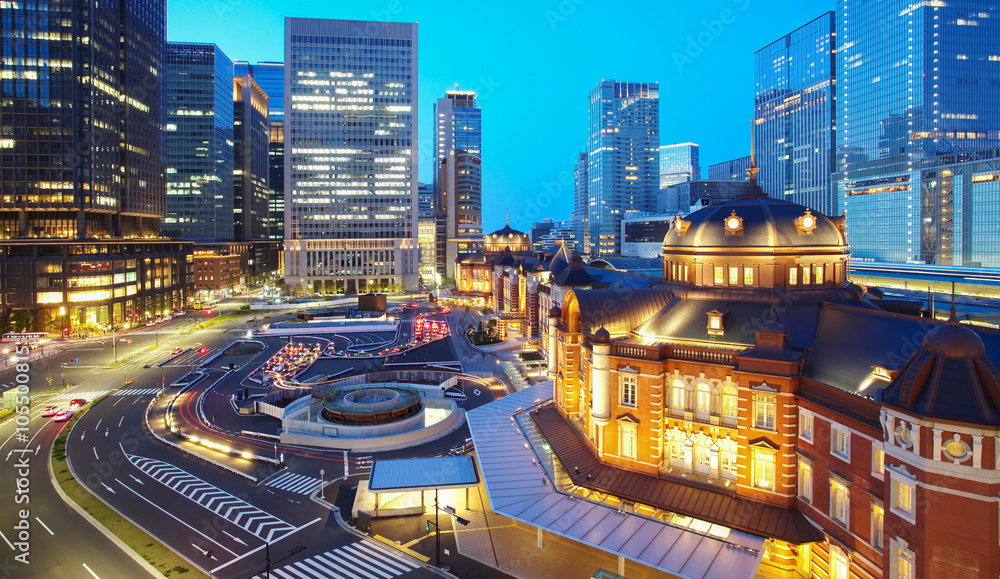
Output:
(619, 309)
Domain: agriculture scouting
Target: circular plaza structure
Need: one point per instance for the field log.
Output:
(371, 405)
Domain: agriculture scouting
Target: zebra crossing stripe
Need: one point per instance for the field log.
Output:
(294, 483)
(388, 559)
(323, 572)
(354, 561)
(368, 563)
(135, 392)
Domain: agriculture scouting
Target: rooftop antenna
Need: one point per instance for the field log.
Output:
(752, 171)
(508, 216)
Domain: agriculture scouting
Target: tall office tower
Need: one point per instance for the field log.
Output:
(252, 132)
(581, 204)
(350, 155)
(425, 200)
(678, 164)
(199, 143)
(923, 81)
(794, 110)
(82, 189)
(623, 158)
(458, 179)
(732, 170)
(426, 234)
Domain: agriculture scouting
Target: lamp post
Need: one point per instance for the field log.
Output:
(322, 491)
(114, 344)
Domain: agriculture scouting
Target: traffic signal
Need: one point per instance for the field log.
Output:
(202, 350)
(208, 312)
(427, 526)
(66, 330)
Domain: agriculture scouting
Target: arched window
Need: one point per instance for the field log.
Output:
(703, 399)
(678, 402)
(730, 403)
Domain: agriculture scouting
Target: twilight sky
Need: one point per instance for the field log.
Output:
(533, 65)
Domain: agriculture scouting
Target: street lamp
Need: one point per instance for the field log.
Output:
(322, 492)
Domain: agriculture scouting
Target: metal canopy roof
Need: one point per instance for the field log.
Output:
(519, 487)
(444, 472)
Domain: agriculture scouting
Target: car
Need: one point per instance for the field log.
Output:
(62, 416)
(151, 323)
(76, 403)
(50, 410)
(175, 351)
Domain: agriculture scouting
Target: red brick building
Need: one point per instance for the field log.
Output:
(755, 388)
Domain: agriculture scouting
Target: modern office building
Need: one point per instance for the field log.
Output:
(425, 200)
(732, 170)
(82, 186)
(581, 204)
(678, 163)
(921, 82)
(794, 109)
(458, 181)
(251, 132)
(562, 233)
(538, 230)
(350, 155)
(679, 198)
(623, 160)
(199, 134)
(643, 236)
(427, 234)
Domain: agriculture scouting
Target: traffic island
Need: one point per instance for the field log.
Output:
(129, 536)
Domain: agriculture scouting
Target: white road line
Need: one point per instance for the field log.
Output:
(281, 538)
(236, 539)
(6, 540)
(137, 480)
(98, 424)
(46, 527)
(117, 401)
(120, 421)
(95, 454)
(91, 571)
(179, 521)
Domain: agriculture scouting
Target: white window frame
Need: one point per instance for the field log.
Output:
(840, 565)
(845, 432)
(805, 479)
(628, 383)
(843, 518)
(628, 439)
(758, 466)
(703, 393)
(902, 563)
(902, 496)
(764, 401)
(878, 459)
(730, 401)
(807, 421)
(678, 397)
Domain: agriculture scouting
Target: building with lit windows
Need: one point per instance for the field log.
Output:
(581, 204)
(350, 155)
(82, 191)
(753, 397)
(623, 160)
(794, 108)
(920, 83)
(199, 136)
(732, 170)
(679, 164)
(458, 179)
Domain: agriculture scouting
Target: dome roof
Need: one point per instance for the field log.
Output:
(507, 233)
(954, 340)
(755, 220)
(555, 311)
(602, 335)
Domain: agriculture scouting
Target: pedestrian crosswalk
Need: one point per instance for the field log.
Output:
(237, 511)
(358, 560)
(65, 397)
(135, 392)
(294, 483)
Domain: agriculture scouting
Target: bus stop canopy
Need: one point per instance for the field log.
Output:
(414, 474)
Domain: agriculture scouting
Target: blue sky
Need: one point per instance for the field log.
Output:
(534, 63)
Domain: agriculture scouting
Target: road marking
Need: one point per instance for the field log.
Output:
(95, 454)
(91, 571)
(6, 540)
(98, 425)
(281, 538)
(109, 488)
(117, 401)
(137, 480)
(175, 518)
(45, 526)
(120, 421)
(236, 539)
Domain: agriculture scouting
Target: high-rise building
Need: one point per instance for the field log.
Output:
(679, 163)
(425, 200)
(199, 143)
(458, 178)
(581, 204)
(922, 82)
(82, 187)
(251, 131)
(426, 234)
(794, 110)
(350, 155)
(623, 158)
(732, 170)
(538, 230)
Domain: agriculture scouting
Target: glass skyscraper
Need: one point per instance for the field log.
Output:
(581, 204)
(350, 155)
(794, 109)
(250, 154)
(915, 80)
(732, 170)
(199, 142)
(458, 182)
(82, 186)
(678, 163)
(623, 158)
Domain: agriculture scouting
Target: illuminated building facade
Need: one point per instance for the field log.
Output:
(350, 155)
(679, 163)
(732, 170)
(82, 188)
(200, 143)
(581, 203)
(623, 158)
(754, 389)
(794, 108)
(458, 179)
(922, 82)
(250, 175)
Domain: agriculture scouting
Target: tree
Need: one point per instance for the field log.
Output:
(4, 324)
(21, 320)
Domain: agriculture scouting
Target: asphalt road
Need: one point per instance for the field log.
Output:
(196, 508)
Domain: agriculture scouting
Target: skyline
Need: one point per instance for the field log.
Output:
(252, 31)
